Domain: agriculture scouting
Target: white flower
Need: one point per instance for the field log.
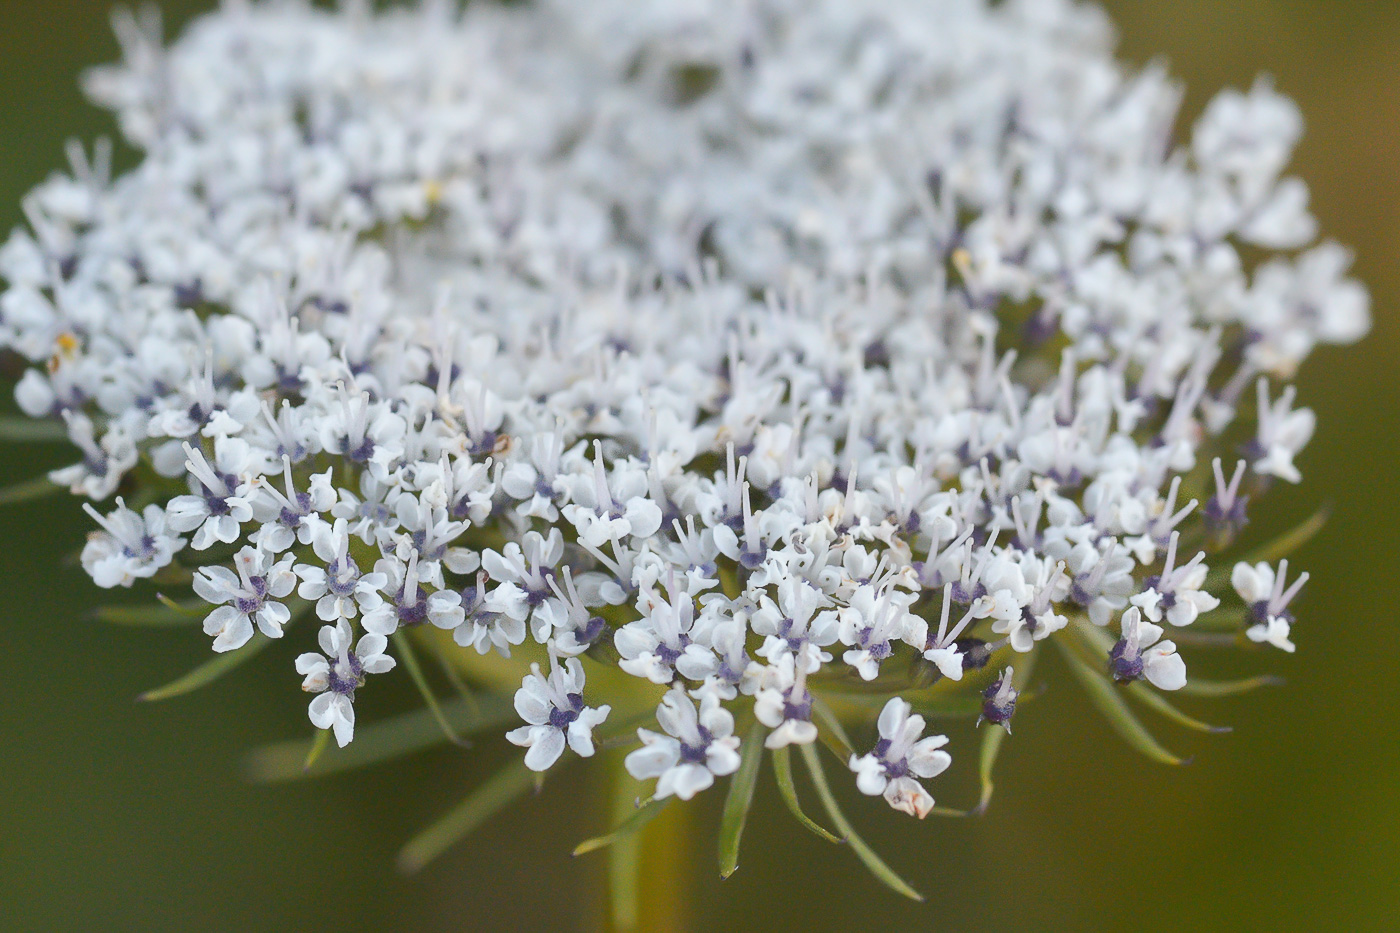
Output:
(942, 648)
(695, 750)
(1283, 432)
(1103, 580)
(783, 704)
(796, 624)
(363, 432)
(659, 644)
(289, 516)
(251, 596)
(536, 484)
(103, 464)
(736, 672)
(131, 545)
(1176, 592)
(554, 709)
(483, 629)
(1025, 609)
(875, 617)
(606, 510)
(1140, 653)
(335, 677)
(221, 501)
(1274, 630)
(430, 531)
(407, 603)
(1263, 590)
(899, 759)
(748, 550)
(340, 590)
(523, 572)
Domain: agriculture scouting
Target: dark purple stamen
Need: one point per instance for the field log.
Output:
(697, 754)
(995, 711)
(563, 718)
(346, 685)
(360, 454)
(1124, 669)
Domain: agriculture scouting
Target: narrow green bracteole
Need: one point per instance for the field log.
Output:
(209, 671)
(645, 811)
(165, 615)
(36, 488)
(221, 664)
(739, 799)
(380, 741)
(835, 736)
(500, 789)
(782, 772)
(319, 744)
(31, 430)
(1200, 687)
(415, 672)
(867, 855)
(1149, 697)
(1106, 698)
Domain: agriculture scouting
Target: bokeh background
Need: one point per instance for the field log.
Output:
(116, 815)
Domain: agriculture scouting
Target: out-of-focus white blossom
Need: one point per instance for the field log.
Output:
(132, 545)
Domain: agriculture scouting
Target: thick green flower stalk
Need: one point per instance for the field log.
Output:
(685, 383)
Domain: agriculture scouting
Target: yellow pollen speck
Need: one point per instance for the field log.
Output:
(65, 347)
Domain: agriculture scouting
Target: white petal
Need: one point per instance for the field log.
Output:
(344, 720)
(723, 757)
(892, 718)
(321, 712)
(645, 518)
(311, 662)
(653, 759)
(547, 745)
(908, 795)
(531, 703)
(235, 635)
(1163, 667)
(948, 660)
(870, 774)
(684, 781)
(271, 618)
(926, 761)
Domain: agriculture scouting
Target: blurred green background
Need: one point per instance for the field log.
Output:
(120, 816)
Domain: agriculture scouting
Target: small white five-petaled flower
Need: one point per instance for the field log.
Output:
(250, 597)
(336, 675)
(893, 766)
(553, 708)
(696, 749)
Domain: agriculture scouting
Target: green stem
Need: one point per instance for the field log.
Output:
(648, 873)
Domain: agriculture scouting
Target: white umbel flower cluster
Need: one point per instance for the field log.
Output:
(762, 351)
